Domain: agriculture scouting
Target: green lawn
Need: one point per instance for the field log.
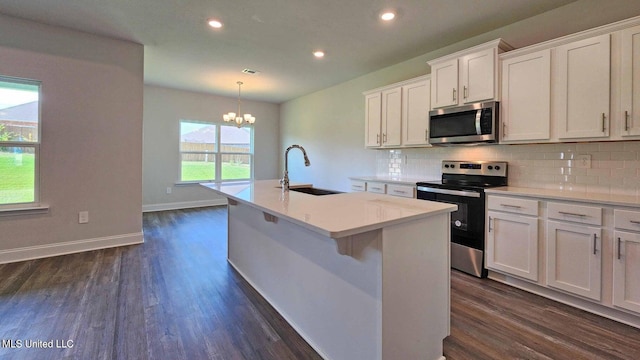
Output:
(16, 177)
(200, 170)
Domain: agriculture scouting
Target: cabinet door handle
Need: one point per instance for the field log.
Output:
(572, 214)
(490, 223)
(454, 95)
(626, 120)
(595, 237)
(634, 222)
(619, 246)
(384, 137)
(511, 206)
(603, 123)
(426, 135)
(504, 129)
(465, 92)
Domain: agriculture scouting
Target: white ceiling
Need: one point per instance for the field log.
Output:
(276, 37)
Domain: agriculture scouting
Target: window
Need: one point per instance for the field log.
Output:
(19, 141)
(215, 152)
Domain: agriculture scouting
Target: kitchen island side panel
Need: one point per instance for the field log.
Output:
(332, 300)
(416, 288)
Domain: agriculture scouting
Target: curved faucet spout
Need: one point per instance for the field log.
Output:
(285, 179)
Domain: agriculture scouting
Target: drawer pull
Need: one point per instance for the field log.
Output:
(595, 237)
(511, 206)
(399, 191)
(571, 214)
(619, 246)
(634, 222)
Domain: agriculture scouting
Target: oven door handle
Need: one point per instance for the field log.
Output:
(473, 194)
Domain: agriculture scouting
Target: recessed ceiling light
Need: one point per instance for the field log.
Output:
(216, 24)
(318, 53)
(387, 15)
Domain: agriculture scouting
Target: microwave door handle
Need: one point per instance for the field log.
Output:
(478, 117)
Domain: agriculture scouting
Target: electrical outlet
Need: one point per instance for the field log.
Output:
(583, 161)
(83, 217)
(169, 190)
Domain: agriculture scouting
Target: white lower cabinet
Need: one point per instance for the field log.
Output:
(401, 190)
(358, 185)
(626, 271)
(512, 244)
(574, 258)
(626, 260)
(377, 187)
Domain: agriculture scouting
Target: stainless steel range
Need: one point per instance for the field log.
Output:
(463, 184)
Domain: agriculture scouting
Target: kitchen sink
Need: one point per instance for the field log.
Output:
(315, 191)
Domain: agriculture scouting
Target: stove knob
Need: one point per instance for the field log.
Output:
(490, 167)
(497, 167)
(453, 165)
(446, 165)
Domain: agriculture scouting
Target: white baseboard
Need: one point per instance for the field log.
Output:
(183, 205)
(69, 247)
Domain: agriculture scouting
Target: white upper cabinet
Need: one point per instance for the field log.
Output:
(398, 115)
(415, 113)
(373, 117)
(391, 116)
(526, 97)
(630, 82)
(478, 71)
(444, 84)
(581, 88)
(467, 76)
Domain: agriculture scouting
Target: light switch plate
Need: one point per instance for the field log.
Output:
(83, 217)
(583, 161)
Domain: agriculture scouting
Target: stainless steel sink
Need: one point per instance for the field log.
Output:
(315, 191)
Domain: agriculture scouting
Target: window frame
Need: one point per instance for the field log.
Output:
(218, 153)
(35, 204)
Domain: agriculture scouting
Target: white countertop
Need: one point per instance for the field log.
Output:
(605, 199)
(334, 216)
(393, 180)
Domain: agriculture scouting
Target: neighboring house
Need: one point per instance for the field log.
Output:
(20, 121)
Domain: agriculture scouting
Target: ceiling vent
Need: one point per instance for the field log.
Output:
(250, 71)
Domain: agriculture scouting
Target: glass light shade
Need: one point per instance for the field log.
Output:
(247, 117)
(239, 120)
(226, 117)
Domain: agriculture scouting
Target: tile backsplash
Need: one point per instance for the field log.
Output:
(615, 166)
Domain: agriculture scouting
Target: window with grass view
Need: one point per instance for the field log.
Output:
(19, 140)
(215, 152)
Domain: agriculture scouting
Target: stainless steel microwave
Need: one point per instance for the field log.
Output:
(469, 124)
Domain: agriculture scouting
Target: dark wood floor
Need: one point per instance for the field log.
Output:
(175, 297)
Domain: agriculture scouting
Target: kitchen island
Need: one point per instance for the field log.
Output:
(358, 275)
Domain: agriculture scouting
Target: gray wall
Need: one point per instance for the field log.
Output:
(91, 151)
(330, 123)
(163, 110)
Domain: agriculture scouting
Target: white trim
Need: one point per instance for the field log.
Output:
(69, 247)
(26, 210)
(183, 205)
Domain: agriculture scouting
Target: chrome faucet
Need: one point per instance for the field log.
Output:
(285, 179)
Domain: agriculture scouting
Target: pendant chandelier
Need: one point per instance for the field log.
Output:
(236, 117)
